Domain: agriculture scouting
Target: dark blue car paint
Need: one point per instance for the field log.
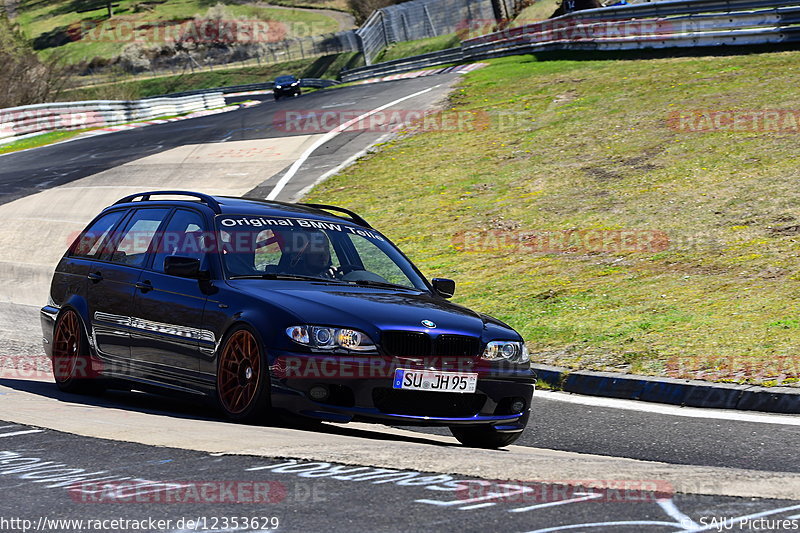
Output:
(175, 325)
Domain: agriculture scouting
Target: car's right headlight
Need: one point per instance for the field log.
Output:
(512, 351)
(326, 338)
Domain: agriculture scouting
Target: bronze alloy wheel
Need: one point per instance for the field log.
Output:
(66, 344)
(240, 377)
(72, 367)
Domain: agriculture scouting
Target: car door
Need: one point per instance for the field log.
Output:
(167, 322)
(112, 282)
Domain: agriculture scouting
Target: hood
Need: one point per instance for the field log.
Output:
(366, 308)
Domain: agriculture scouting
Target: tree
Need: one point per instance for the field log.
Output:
(26, 79)
(84, 6)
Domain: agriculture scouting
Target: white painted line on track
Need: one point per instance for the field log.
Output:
(615, 525)
(669, 507)
(582, 497)
(330, 135)
(15, 433)
(690, 412)
(335, 170)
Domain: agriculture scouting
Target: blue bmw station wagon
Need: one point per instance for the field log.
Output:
(267, 307)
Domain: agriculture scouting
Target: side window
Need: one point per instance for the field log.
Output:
(184, 236)
(132, 245)
(88, 245)
(267, 250)
(376, 261)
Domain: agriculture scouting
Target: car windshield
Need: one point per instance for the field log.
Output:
(285, 79)
(303, 249)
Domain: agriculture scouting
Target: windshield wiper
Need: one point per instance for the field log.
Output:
(295, 277)
(373, 283)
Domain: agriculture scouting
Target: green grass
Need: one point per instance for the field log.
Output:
(421, 46)
(38, 18)
(39, 140)
(585, 145)
(537, 11)
(57, 136)
(337, 5)
(321, 67)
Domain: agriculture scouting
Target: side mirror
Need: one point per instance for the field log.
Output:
(446, 288)
(183, 267)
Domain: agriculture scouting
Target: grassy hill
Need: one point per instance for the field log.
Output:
(57, 26)
(603, 215)
(320, 67)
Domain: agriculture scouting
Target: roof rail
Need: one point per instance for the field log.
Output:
(210, 201)
(356, 218)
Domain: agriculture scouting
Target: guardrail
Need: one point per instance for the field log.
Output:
(26, 121)
(668, 24)
(450, 55)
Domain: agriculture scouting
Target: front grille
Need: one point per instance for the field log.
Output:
(457, 346)
(406, 344)
(418, 344)
(426, 403)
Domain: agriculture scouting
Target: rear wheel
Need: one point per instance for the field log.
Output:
(72, 367)
(483, 436)
(243, 378)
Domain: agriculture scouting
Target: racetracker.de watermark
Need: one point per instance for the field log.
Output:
(324, 120)
(211, 31)
(710, 120)
(552, 491)
(536, 30)
(560, 241)
(181, 492)
(335, 366)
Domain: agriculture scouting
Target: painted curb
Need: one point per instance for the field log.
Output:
(683, 392)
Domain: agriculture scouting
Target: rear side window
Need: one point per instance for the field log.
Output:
(184, 236)
(134, 241)
(92, 238)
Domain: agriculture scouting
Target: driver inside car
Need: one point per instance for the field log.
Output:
(310, 255)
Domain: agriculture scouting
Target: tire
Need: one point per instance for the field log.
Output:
(483, 437)
(243, 377)
(276, 97)
(72, 366)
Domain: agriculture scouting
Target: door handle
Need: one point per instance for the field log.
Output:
(144, 286)
(94, 276)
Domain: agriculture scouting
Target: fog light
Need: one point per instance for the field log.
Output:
(517, 405)
(319, 393)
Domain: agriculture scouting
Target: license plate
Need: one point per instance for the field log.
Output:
(434, 381)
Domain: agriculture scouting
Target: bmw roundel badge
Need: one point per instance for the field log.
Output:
(428, 324)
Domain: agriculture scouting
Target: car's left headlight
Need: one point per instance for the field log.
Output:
(327, 338)
(512, 351)
(296, 83)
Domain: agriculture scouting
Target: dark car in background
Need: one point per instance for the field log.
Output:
(266, 307)
(286, 86)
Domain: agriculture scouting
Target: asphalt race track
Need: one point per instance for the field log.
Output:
(583, 464)
(143, 483)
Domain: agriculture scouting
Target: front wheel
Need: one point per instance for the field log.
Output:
(483, 436)
(243, 378)
(72, 366)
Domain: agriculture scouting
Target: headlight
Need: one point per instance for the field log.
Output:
(295, 83)
(327, 338)
(512, 351)
(278, 87)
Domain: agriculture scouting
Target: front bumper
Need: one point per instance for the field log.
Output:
(360, 388)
